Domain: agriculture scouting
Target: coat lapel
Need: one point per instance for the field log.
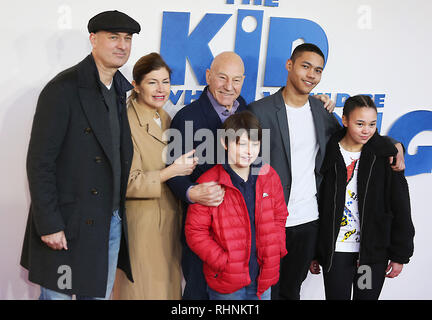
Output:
(208, 113)
(283, 124)
(155, 131)
(319, 130)
(145, 119)
(93, 104)
(97, 115)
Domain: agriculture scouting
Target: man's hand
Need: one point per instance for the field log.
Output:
(396, 269)
(208, 194)
(400, 159)
(56, 241)
(329, 104)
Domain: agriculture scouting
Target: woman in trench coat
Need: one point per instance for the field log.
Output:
(153, 212)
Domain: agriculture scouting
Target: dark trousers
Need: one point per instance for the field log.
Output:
(344, 278)
(300, 243)
(192, 267)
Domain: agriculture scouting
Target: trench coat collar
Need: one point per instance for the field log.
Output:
(145, 118)
(88, 77)
(93, 103)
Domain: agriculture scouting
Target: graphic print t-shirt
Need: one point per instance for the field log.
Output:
(348, 239)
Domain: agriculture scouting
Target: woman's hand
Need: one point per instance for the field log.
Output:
(182, 166)
(185, 164)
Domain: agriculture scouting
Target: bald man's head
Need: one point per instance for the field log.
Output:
(225, 78)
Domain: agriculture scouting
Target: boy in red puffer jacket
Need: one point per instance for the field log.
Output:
(242, 240)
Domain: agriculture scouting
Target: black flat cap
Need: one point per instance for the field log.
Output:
(113, 21)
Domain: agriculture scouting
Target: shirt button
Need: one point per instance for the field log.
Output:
(94, 192)
(87, 130)
(98, 159)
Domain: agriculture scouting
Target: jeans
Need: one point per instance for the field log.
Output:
(113, 250)
(246, 293)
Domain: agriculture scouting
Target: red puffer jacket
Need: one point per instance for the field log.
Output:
(221, 236)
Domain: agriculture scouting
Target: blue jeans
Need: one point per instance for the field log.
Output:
(245, 293)
(113, 250)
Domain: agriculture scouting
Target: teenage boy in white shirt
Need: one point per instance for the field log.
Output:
(299, 130)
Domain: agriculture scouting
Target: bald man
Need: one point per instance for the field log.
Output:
(220, 99)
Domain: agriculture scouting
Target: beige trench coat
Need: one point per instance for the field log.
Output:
(153, 215)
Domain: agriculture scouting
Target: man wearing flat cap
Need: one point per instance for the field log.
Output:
(78, 165)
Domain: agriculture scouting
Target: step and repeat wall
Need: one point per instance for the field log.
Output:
(379, 48)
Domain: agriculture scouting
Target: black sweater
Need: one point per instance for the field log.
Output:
(386, 227)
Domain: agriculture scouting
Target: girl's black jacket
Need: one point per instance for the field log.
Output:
(386, 228)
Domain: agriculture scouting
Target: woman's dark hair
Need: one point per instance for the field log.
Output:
(244, 121)
(358, 101)
(145, 65)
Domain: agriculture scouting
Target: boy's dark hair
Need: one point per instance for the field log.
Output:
(306, 47)
(358, 101)
(244, 121)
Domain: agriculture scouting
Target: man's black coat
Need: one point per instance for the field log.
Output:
(70, 174)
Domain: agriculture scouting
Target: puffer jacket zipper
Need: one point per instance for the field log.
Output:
(248, 223)
(245, 210)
